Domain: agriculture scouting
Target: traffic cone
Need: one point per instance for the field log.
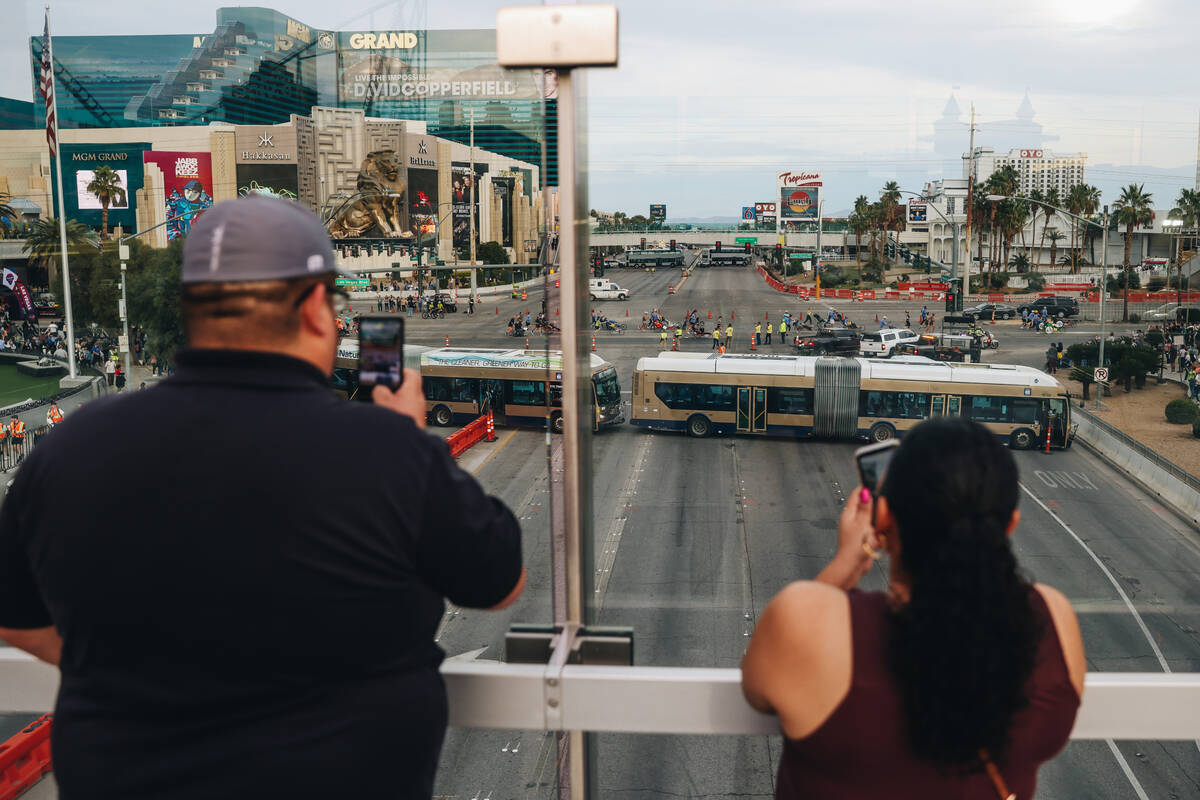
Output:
(752, 347)
(556, 312)
(674, 342)
(593, 342)
(627, 312)
(497, 310)
(710, 315)
(731, 315)
(447, 341)
(767, 316)
(877, 318)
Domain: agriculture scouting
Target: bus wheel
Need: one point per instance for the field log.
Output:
(882, 432)
(699, 426)
(442, 416)
(592, 297)
(556, 422)
(1021, 439)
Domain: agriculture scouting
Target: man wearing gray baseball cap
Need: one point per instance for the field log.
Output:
(235, 613)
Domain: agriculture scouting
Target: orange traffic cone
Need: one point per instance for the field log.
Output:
(767, 315)
(526, 342)
(447, 341)
(752, 347)
(627, 312)
(556, 312)
(497, 310)
(523, 297)
(877, 318)
(674, 342)
(710, 315)
(731, 315)
(593, 342)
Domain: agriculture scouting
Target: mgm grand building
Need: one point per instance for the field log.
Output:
(370, 129)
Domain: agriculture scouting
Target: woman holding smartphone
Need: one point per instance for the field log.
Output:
(961, 679)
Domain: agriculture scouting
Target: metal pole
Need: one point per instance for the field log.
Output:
(966, 274)
(1103, 293)
(125, 324)
(577, 395)
(471, 213)
(62, 215)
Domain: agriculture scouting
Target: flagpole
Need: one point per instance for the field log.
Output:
(62, 215)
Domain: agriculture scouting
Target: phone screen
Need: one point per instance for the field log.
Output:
(381, 351)
(872, 465)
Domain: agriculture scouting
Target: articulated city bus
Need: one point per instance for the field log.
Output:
(845, 398)
(654, 258)
(723, 258)
(462, 383)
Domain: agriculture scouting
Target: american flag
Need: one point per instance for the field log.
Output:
(47, 90)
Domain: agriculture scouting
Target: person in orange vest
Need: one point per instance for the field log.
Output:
(4, 440)
(16, 432)
(54, 415)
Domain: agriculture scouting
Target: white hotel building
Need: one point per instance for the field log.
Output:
(1039, 169)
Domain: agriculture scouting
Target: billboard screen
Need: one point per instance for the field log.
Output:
(917, 212)
(89, 201)
(658, 211)
(799, 196)
(748, 213)
(277, 180)
(187, 187)
(502, 188)
(79, 163)
(462, 182)
(422, 201)
(762, 210)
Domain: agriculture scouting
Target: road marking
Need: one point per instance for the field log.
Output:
(1132, 610)
(1063, 479)
(612, 541)
(1137, 787)
(497, 449)
(1108, 574)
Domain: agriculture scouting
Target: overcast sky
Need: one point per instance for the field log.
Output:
(713, 98)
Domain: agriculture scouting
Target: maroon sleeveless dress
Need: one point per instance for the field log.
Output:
(861, 750)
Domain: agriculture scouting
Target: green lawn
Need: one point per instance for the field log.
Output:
(15, 387)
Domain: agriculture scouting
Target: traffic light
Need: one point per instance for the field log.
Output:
(643, 242)
(672, 244)
(950, 305)
(718, 245)
(779, 255)
(747, 244)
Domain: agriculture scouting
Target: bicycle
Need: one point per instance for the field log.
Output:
(435, 314)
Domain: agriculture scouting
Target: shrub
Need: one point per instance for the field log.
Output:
(1037, 281)
(1182, 411)
(1156, 284)
(997, 280)
(1135, 317)
(1154, 338)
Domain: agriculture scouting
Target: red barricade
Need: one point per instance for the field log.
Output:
(844, 294)
(793, 289)
(917, 295)
(891, 294)
(461, 440)
(867, 294)
(996, 298)
(25, 758)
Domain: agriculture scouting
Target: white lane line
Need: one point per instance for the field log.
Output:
(1137, 787)
(612, 541)
(1111, 579)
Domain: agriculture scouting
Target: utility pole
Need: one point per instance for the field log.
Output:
(1103, 292)
(966, 274)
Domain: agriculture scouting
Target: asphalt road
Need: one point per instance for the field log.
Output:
(693, 537)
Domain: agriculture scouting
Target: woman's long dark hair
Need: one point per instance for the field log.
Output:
(964, 646)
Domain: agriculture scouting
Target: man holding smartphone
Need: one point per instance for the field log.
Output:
(261, 623)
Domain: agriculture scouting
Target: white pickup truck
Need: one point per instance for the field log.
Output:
(604, 289)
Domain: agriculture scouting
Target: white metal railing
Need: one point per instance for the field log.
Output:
(682, 700)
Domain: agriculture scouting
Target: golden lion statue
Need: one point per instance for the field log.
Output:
(380, 203)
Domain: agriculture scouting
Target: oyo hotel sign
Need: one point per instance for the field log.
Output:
(258, 143)
(1031, 154)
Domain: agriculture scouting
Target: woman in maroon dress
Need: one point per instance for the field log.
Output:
(960, 680)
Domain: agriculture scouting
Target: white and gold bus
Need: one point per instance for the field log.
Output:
(844, 398)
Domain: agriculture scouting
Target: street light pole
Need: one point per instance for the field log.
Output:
(1103, 293)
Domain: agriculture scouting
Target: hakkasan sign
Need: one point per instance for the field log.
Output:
(799, 196)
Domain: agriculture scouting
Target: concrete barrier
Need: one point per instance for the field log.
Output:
(1174, 486)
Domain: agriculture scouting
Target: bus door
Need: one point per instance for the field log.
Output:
(1054, 413)
(945, 405)
(751, 409)
(491, 398)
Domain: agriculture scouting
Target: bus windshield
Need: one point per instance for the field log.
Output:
(608, 389)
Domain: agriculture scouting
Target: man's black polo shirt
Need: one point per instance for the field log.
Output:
(247, 573)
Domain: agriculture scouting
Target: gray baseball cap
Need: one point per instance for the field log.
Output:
(257, 238)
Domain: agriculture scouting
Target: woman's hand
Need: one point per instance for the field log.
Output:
(857, 544)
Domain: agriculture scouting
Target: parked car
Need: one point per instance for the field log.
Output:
(1162, 313)
(990, 311)
(880, 343)
(1054, 306)
(448, 302)
(833, 342)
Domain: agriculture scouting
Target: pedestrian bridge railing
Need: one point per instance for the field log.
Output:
(681, 700)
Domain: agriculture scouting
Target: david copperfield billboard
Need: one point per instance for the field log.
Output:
(799, 196)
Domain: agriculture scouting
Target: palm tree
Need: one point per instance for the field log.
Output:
(979, 211)
(1131, 209)
(106, 185)
(1019, 262)
(860, 223)
(1055, 236)
(43, 241)
(1051, 199)
(1189, 209)
(889, 203)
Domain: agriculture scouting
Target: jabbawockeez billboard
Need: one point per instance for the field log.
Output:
(799, 196)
